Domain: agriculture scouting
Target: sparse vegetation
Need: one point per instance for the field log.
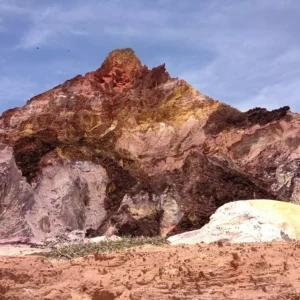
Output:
(123, 54)
(83, 249)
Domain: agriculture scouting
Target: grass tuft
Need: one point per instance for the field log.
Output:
(83, 249)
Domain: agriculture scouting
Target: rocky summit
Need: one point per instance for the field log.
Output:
(125, 150)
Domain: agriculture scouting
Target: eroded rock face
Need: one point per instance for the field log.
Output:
(63, 198)
(146, 213)
(171, 154)
(16, 197)
(68, 197)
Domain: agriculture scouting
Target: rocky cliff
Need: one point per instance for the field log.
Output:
(128, 150)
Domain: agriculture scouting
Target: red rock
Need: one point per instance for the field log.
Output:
(172, 154)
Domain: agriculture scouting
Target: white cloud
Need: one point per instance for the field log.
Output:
(52, 23)
(12, 88)
(65, 67)
(2, 27)
(275, 95)
(246, 82)
(36, 38)
(242, 49)
(14, 91)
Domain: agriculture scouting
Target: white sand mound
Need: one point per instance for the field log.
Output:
(247, 221)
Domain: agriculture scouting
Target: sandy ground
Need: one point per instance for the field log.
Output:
(19, 250)
(245, 271)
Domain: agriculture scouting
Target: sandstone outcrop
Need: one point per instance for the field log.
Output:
(166, 156)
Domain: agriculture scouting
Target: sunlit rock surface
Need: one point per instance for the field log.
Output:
(247, 221)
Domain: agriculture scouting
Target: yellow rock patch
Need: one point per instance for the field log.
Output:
(283, 210)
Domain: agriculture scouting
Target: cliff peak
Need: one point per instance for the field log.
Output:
(125, 55)
(120, 68)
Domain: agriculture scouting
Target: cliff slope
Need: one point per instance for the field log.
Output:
(128, 150)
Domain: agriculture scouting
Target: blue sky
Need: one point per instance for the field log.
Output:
(244, 53)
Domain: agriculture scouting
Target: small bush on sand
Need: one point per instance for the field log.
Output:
(82, 249)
